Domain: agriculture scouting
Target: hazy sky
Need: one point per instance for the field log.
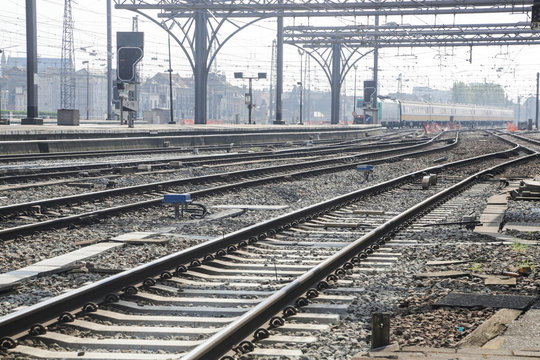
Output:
(250, 51)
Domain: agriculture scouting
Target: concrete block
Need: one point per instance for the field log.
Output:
(144, 167)
(69, 117)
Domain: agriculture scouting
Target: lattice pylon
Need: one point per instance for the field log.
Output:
(67, 82)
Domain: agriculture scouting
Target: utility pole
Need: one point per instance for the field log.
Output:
(250, 105)
(31, 66)
(301, 52)
(109, 62)
(171, 120)
(537, 90)
(354, 101)
(271, 111)
(307, 88)
(375, 75)
(519, 110)
(87, 88)
(279, 69)
(135, 28)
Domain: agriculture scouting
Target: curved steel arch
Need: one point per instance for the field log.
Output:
(212, 58)
(201, 63)
(326, 61)
(310, 53)
(344, 73)
(170, 33)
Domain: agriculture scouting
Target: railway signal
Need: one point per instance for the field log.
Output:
(130, 49)
(128, 58)
(535, 15)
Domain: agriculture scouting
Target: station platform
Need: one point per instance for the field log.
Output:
(110, 135)
(114, 127)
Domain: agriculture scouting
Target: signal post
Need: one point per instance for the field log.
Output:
(130, 49)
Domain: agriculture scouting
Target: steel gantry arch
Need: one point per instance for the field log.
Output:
(195, 42)
(325, 39)
(199, 33)
(336, 61)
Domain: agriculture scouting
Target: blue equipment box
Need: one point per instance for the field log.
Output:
(177, 198)
(364, 167)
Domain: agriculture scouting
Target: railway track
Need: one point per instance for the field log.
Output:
(26, 173)
(264, 283)
(522, 140)
(202, 148)
(41, 215)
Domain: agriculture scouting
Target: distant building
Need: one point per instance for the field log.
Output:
(13, 86)
(42, 63)
(225, 102)
(97, 88)
(526, 111)
(432, 95)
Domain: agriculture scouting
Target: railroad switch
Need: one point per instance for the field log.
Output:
(180, 202)
(366, 170)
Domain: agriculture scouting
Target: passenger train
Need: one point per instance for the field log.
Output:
(398, 113)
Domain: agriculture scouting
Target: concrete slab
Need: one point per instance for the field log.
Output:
(522, 227)
(500, 280)
(57, 264)
(441, 274)
(501, 199)
(522, 336)
(111, 343)
(446, 262)
(485, 300)
(87, 355)
(137, 235)
(487, 218)
(490, 328)
(494, 209)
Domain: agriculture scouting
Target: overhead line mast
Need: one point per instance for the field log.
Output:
(67, 81)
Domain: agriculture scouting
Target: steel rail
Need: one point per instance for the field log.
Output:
(92, 216)
(320, 144)
(245, 325)
(78, 198)
(94, 153)
(190, 140)
(526, 139)
(58, 171)
(16, 324)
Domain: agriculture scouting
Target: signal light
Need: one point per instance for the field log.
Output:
(128, 57)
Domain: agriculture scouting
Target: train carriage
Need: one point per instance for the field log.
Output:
(395, 113)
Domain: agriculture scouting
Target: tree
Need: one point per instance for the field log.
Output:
(478, 94)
